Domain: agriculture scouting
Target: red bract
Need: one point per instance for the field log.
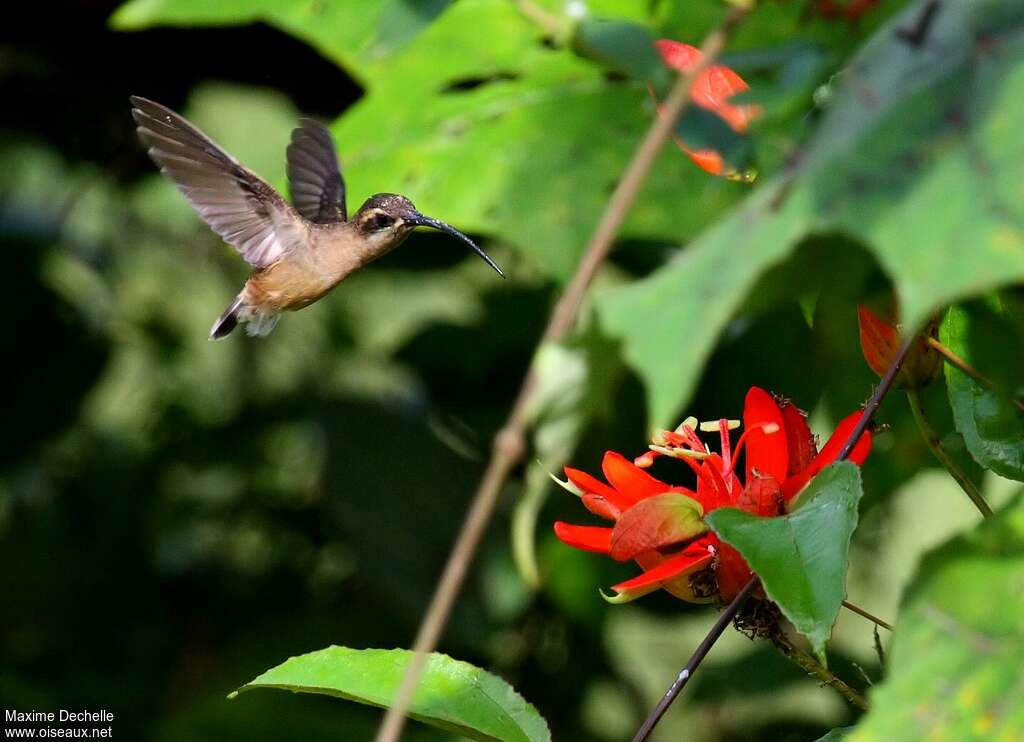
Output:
(880, 342)
(661, 526)
(711, 90)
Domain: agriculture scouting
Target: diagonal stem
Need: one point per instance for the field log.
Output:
(870, 617)
(931, 438)
(510, 444)
(698, 655)
(811, 666)
(953, 359)
(866, 416)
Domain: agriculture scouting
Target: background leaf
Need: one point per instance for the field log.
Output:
(991, 424)
(958, 649)
(453, 695)
(938, 127)
(802, 557)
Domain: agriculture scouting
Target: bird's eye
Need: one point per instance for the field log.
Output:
(377, 222)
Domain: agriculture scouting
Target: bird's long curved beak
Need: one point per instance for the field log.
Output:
(423, 220)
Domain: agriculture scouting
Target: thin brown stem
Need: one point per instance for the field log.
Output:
(818, 670)
(954, 360)
(861, 612)
(698, 656)
(510, 442)
(550, 22)
(933, 442)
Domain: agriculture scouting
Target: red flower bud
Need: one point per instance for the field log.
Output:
(880, 342)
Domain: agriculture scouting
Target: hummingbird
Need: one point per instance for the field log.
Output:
(298, 251)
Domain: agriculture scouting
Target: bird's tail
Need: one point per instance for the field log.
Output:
(259, 321)
(227, 322)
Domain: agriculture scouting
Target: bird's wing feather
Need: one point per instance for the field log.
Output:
(318, 190)
(237, 204)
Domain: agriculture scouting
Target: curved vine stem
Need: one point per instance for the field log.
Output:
(864, 614)
(510, 442)
(811, 666)
(866, 416)
(698, 656)
(954, 360)
(931, 438)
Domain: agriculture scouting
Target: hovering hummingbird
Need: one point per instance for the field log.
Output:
(299, 252)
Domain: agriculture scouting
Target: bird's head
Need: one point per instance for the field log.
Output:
(387, 218)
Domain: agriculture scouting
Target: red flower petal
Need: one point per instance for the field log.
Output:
(768, 453)
(732, 572)
(713, 87)
(799, 439)
(630, 481)
(600, 506)
(829, 453)
(587, 538)
(711, 90)
(879, 340)
(693, 558)
(676, 54)
(762, 497)
(712, 491)
(707, 160)
(592, 485)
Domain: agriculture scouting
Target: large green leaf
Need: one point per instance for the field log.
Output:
(802, 557)
(356, 35)
(991, 425)
(907, 127)
(957, 657)
(500, 133)
(453, 695)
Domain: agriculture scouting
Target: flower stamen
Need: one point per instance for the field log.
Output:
(766, 428)
(679, 453)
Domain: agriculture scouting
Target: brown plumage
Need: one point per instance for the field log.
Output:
(299, 252)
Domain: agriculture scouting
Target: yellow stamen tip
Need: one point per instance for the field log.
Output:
(713, 426)
(690, 422)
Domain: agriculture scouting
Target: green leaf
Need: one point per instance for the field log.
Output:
(801, 558)
(624, 47)
(401, 20)
(940, 129)
(496, 134)
(958, 649)
(453, 695)
(992, 426)
(669, 322)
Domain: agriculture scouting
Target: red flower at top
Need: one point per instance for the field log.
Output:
(661, 526)
(711, 90)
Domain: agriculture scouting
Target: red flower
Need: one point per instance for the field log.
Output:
(661, 526)
(711, 90)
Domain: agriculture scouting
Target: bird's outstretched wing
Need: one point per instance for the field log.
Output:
(237, 204)
(318, 190)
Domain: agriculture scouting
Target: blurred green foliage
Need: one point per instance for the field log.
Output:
(177, 516)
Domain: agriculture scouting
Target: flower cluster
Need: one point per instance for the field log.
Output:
(711, 90)
(661, 526)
